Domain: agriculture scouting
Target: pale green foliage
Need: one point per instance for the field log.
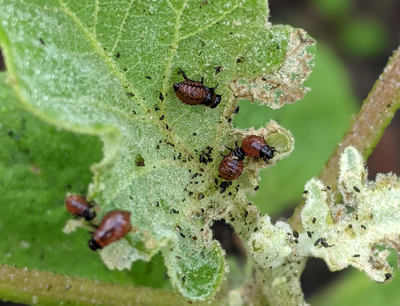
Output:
(359, 231)
(106, 68)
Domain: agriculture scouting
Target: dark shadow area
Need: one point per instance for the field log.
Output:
(2, 67)
(316, 276)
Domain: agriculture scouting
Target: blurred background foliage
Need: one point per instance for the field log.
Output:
(355, 40)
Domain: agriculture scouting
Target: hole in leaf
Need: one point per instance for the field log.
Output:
(139, 161)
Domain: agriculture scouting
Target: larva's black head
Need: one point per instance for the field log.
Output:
(216, 101)
(238, 152)
(88, 214)
(267, 152)
(212, 99)
(176, 86)
(93, 244)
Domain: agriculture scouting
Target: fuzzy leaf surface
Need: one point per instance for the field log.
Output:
(361, 231)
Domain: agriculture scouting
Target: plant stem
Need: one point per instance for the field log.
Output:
(45, 288)
(366, 128)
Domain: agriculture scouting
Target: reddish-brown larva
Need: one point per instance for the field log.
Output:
(231, 166)
(194, 93)
(78, 206)
(114, 226)
(255, 146)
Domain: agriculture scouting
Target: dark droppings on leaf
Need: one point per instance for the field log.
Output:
(161, 97)
(309, 234)
(256, 188)
(388, 276)
(130, 94)
(217, 69)
(174, 211)
(156, 108)
(182, 235)
(295, 234)
(230, 120)
(162, 117)
(147, 77)
(350, 226)
(240, 59)
(313, 220)
(356, 255)
(117, 55)
(125, 69)
(194, 134)
(305, 191)
(42, 41)
(363, 227)
(356, 189)
(170, 144)
(158, 204)
(236, 111)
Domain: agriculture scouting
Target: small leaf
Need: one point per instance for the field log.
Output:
(360, 231)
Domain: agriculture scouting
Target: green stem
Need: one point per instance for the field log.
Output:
(366, 128)
(44, 288)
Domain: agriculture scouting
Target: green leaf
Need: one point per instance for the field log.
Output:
(38, 165)
(107, 69)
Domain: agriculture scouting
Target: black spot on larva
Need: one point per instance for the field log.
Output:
(388, 276)
(295, 234)
(356, 189)
(363, 227)
(356, 255)
(170, 144)
(173, 211)
(309, 234)
(200, 196)
(125, 69)
(139, 161)
(161, 97)
(183, 278)
(130, 94)
(350, 226)
(117, 55)
(256, 188)
(156, 108)
(162, 117)
(313, 220)
(236, 111)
